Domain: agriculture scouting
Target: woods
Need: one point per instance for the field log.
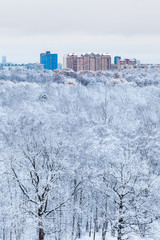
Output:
(79, 159)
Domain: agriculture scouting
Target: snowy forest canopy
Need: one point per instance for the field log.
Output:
(79, 155)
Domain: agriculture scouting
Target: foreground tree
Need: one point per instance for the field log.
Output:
(41, 174)
(129, 192)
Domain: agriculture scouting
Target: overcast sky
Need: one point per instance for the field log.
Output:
(129, 28)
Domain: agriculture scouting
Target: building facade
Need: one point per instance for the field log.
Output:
(49, 60)
(88, 62)
(71, 61)
(80, 63)
(126, 63)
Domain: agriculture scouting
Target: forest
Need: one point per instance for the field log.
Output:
(79, 155)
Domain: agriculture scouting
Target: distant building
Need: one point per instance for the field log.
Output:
(71, 61)
(49, 61)
(116, 58)
(34, 66)
(126, 63)
(30, 66)
(106, 61)
(137, 61)
(80, 63)
(88, 62)
(4, 60)
(114, 66)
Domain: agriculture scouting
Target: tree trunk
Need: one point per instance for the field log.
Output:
(40, 231)
(120, 222)
(74, 208)
(41, 234)
(87, 226)
(90, 224)
(79, 228)
(4, 236)
(104, 230)
(79, 221)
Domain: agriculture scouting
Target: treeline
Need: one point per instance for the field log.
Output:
(136, 77)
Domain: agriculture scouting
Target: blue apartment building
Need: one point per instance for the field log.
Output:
(49, 60)
(116, 59)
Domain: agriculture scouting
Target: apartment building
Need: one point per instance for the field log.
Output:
(49, 61)
(71, 61)
(91, 62)
(126, 63)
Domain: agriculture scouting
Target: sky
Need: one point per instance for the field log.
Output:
(127, 28)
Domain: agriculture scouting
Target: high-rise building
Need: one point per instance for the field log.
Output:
(86, 58)
(49, 60)
(71, 61)
(98, 58)
(106, 62)
(116, 59)
(91, 62)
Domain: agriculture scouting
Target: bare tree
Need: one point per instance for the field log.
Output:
(39, 173)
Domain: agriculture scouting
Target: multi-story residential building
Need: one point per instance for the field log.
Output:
(80, 63)
(126, 63)
(86, 58)
(116, 59)
(71, 61)
(106, 62)
(49, 61)
(98, 65)
(92, 62)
